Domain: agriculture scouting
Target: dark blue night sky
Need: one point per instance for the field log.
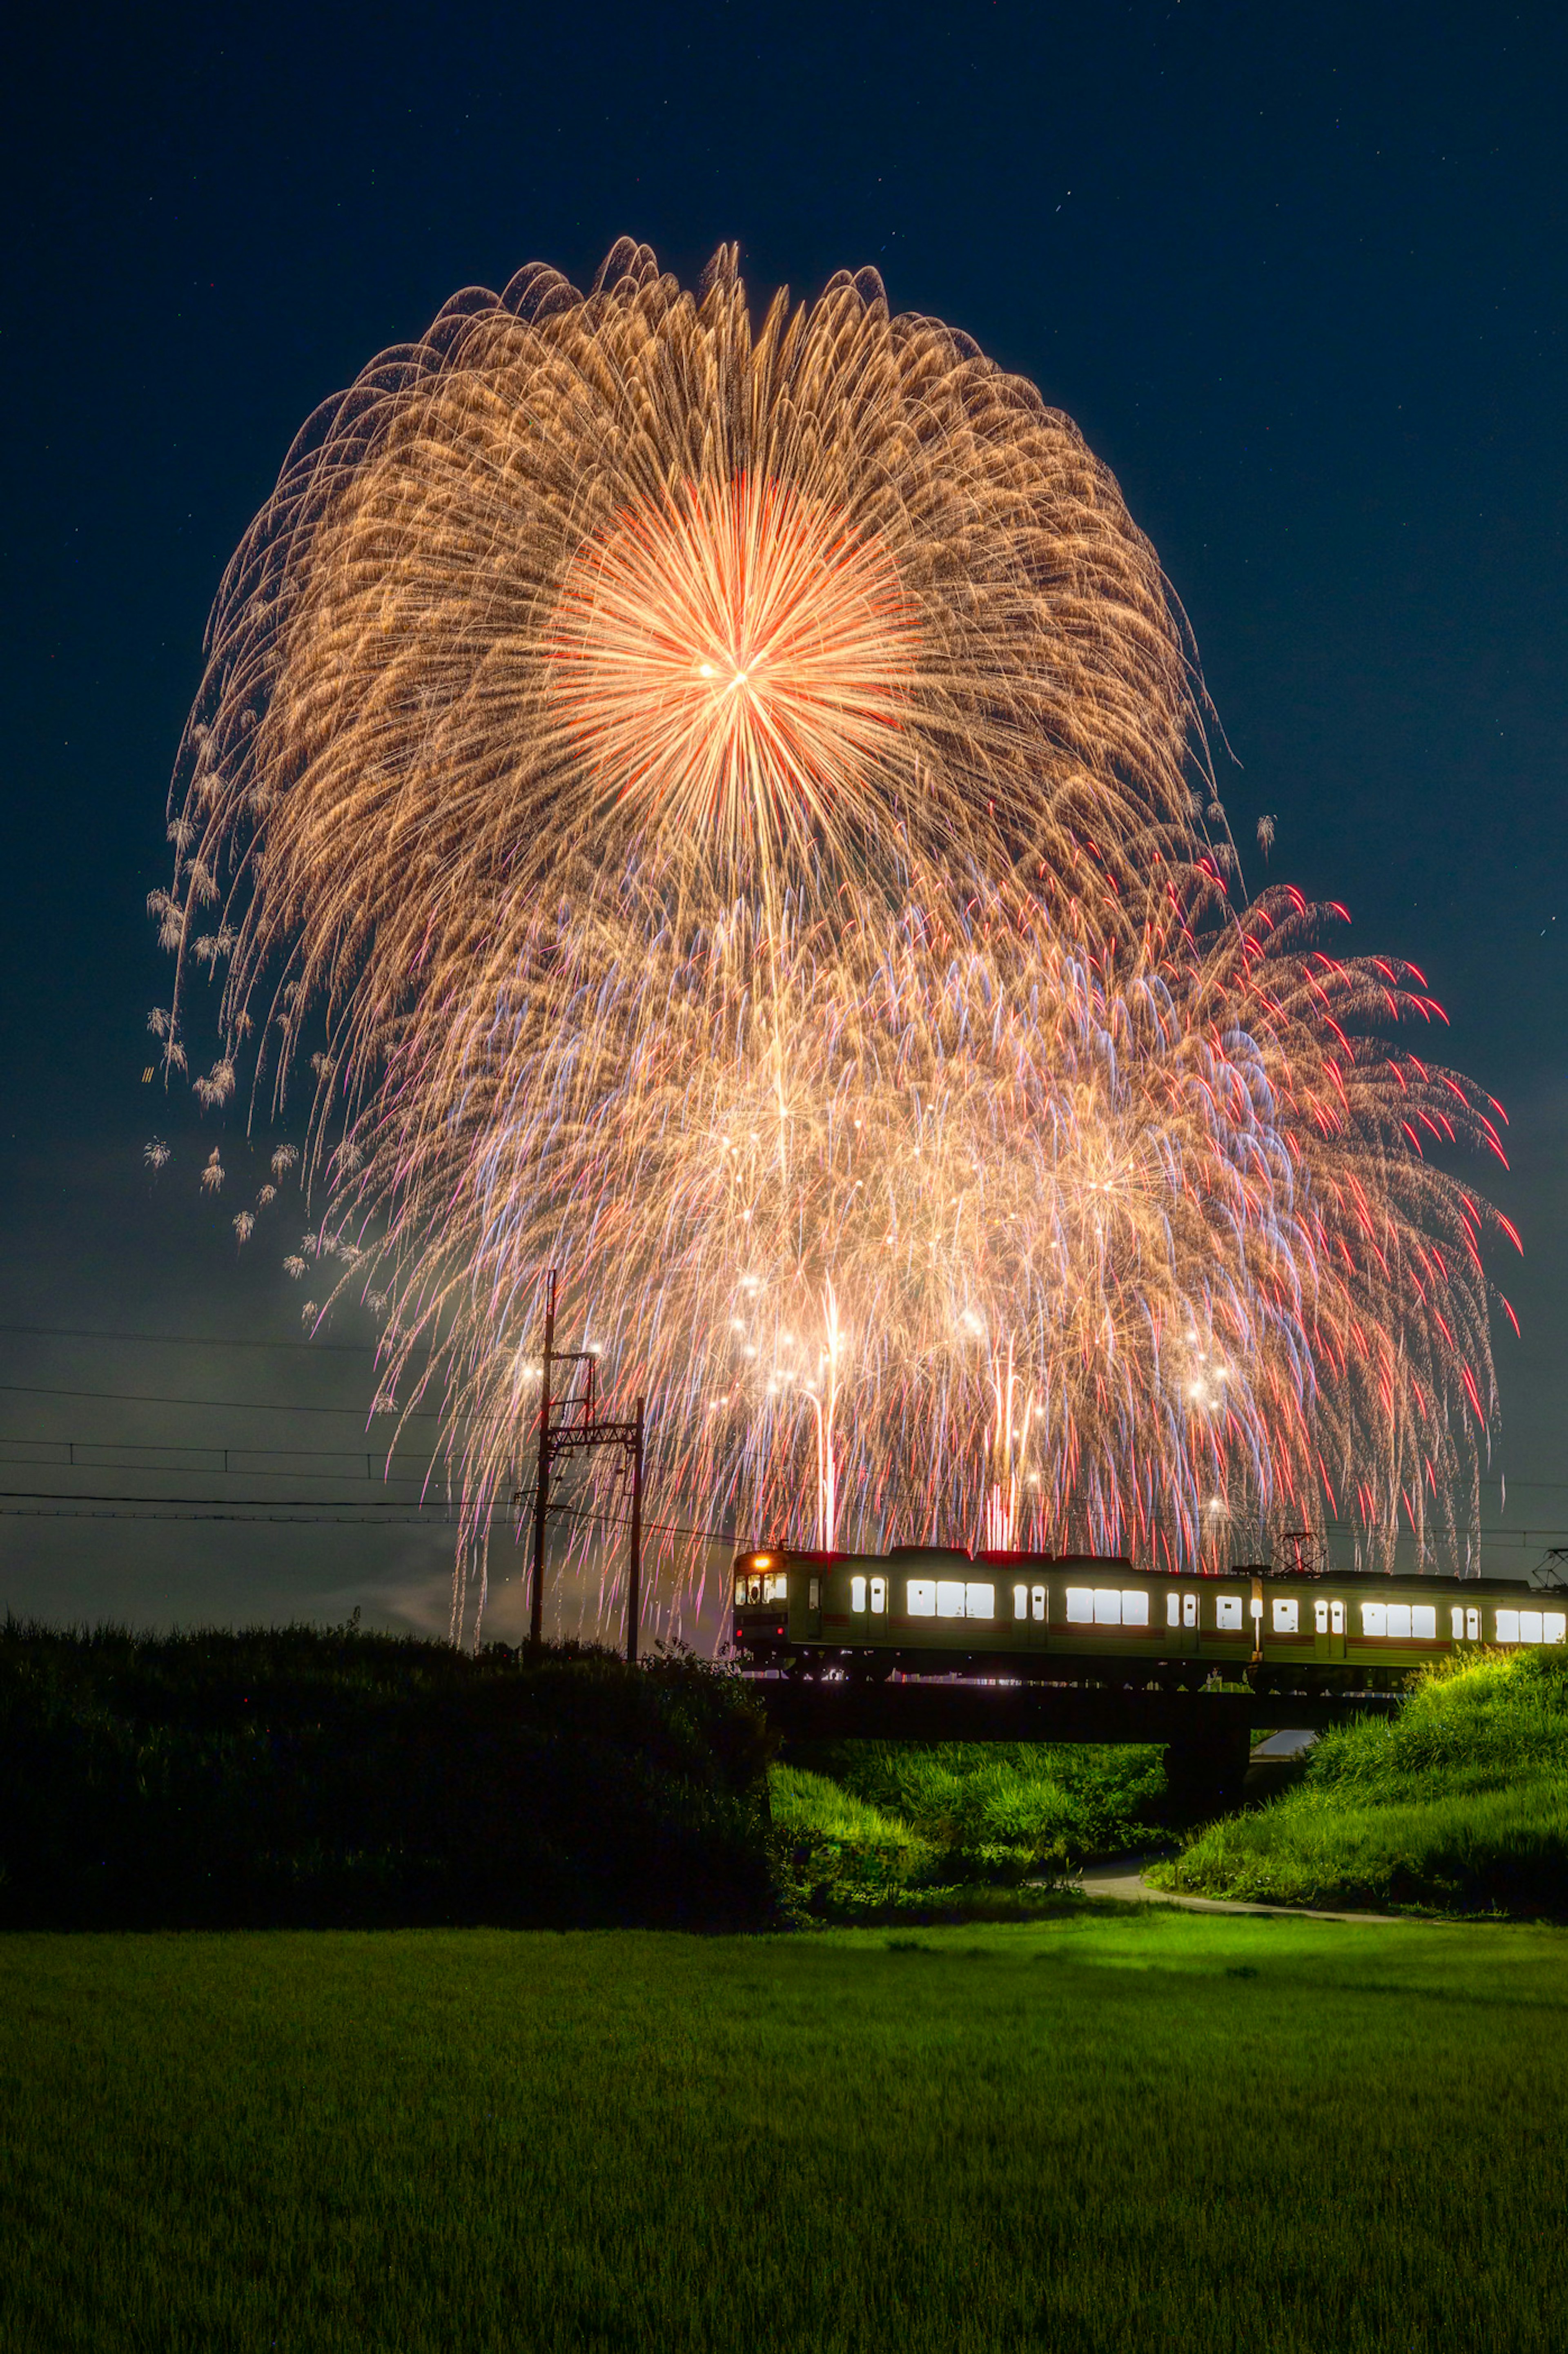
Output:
(1299, 275)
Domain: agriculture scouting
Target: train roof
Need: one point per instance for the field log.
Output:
(1353, 1577)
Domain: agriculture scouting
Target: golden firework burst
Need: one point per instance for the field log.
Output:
(718, 808)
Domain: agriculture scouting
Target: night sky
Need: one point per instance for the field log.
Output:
(1298, 274)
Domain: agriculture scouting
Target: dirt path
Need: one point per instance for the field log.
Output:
(1124, 1880)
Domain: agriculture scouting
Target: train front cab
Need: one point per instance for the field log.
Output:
(777, 1603)
(762, 1625)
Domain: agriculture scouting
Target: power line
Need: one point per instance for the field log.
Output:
(32, 1504)
(121, 1446)
(189, 1340)
(240, 1406)
(235, 1503)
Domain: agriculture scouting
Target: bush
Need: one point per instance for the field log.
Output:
(295, 1776)
(875, 1826)
(1458, 1804)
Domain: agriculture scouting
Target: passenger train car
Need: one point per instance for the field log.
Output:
(927, 1610)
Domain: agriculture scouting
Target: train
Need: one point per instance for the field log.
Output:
(934, 1610)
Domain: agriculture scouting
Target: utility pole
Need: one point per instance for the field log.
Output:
(542, 1483)
(634, 1567)
(574, 1423)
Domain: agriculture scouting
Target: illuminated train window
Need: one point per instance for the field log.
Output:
(1402, 1622)
(1189, 1610)
(774, 1587)
(1173, 1610)
(1531, 1626)
(1037, 1601)
(1228, 1613)
(1090, 1606)
(1319, 1617)
(1287, 1616)
(878, 1595)
(1472, 1625)
(1020, 1602)
(857, 1595)
(1457, 1622)
(951, 1598)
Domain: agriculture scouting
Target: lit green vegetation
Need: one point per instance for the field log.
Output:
(886, 1825)
(1130, 2128)
(1458, 1803)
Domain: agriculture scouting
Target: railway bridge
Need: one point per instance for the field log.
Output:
(1206, 1735)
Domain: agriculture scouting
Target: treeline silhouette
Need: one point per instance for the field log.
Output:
(295, 1776)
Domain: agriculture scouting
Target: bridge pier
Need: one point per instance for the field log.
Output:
(1206, 1769)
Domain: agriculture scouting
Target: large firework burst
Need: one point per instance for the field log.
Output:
(717, 803)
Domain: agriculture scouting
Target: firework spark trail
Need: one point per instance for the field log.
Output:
(717, 806)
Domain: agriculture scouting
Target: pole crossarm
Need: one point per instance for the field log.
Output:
(565, 1427)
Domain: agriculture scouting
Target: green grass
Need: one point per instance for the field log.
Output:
(1127, 2130)
(876, 1823)
(1458, 1803)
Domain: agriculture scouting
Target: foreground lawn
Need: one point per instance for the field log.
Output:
(1124, 2128)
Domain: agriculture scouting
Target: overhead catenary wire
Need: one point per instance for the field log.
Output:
(186, 1339)
(239, 1405)
(25, 1503)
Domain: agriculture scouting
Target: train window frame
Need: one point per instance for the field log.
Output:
(950, 1598)
(1554, 1625)
(1374, 1622)
(1227, 1614)
(1173, 1610)
(1336, 1618)
(740, 1589)
(1424, 1622)
(878, 1597)
(1529, 1626)
(979, 1598)
(857, 1598)
(1319, 1616)
(1019, 1602)
(775, 1586)
(920, 1598)
(1457, 1622)
(1506, 1623)
(1287, 1614)
(1189, 1610)
(1472, 1625)
(1135, 1606)
(1080, 1605)
(1037, 1603)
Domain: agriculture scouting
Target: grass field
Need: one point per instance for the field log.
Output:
(1117, 2129)
(1458, 1804)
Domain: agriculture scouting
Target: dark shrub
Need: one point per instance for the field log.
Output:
(295, 1776)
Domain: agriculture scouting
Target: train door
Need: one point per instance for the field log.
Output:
(1328, 1629)
(1031, 1616)
(1180, 1623)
